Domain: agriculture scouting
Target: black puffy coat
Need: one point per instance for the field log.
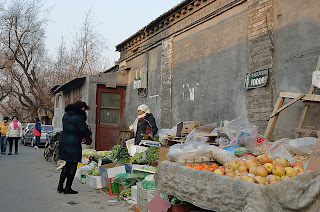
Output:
(74, 129)
(145, 125)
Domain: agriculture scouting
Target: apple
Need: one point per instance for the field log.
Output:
(285, 162)
(297, 164)
(238, 177)
(278, 170)
(285, 177)
(265, 159)
(290, 172)
(243, 168)
(244, 177)
(219, 171)
(228, 169)
(299, 173)
(250, 160)
(263, 183)
(274, 181)
(298, 169)
(261, 179)
(234, 164)
(258, 158)
(274, 177)
(280, 164)
(261, 171)
(242, 162)
(251, 179)
(252, 169)
(251, 163)
(230, 174)
(269, 167)
(226, 165)
(275, 160)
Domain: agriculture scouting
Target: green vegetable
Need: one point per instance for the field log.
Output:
(94, 172)
(126, 192)
(175, 200)
(119, 154)
(152, 154)
(89, 152)
(138, 158)
(146, 137)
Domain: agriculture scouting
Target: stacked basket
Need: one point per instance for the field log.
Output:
(142, 197)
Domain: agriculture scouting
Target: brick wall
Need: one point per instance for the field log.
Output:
(166, 83)
(260, 56)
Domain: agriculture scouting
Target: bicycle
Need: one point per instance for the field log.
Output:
(48, 151)
(55, 152)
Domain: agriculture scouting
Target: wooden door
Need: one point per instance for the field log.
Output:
(110, 105)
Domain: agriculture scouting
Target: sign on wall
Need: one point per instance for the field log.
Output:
(256, 79)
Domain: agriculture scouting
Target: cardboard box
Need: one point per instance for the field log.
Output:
(314, 161)
(163, 151)
(110, 170)
(185, 127)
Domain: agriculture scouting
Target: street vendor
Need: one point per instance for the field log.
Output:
(144, 124)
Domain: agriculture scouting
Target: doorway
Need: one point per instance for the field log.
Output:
(110, 105)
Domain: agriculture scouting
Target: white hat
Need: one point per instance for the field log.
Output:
(143, 108)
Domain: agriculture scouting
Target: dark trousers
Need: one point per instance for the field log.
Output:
(68, 172)
(37, 141)
(10, 139)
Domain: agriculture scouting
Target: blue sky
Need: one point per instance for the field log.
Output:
(114, 20)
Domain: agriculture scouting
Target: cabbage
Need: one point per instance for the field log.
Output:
(89, 152)
(104, 153)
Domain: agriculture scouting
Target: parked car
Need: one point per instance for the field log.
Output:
(46, 131)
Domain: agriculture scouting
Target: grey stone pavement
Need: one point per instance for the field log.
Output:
(28, 183)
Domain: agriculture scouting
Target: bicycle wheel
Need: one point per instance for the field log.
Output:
(55, 155)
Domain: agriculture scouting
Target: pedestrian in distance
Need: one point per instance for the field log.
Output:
(75, 129)
(14, 132)
(145, 123)
(3, 139)
(37, 133)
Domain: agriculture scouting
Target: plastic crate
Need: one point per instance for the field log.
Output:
(142, 203)
(142, 191)
(134, 193)
(150, 195)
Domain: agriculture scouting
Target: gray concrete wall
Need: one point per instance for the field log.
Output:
(296, 52)
(150, 61)
(210, 62)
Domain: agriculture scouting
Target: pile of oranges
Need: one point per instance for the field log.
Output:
(205, 166)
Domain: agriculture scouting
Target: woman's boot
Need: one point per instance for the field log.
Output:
(63, 176)
(71, 173)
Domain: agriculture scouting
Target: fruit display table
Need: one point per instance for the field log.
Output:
(222, 193)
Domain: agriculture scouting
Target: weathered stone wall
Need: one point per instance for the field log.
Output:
(260, 56)
(166, 83)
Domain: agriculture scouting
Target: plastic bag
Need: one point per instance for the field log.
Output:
(260, 147)
(195, 136)
(302, 146)
(148, 184)
(189, 151)
(241, 132)
(89, 152)
(165, 133)
(281, 149)
(222, 156)
(316, 78)
(126, 178)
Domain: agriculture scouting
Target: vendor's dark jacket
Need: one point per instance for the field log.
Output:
(74, 129)
(146, 125)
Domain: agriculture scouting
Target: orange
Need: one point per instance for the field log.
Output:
(214, 166)
(196, 164)
(221, 167)
(188, 165)
(212, 169)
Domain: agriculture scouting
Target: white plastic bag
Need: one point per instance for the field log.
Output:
(189, 151)
(195, 136)
(241, 132)
(316, 78)
(165, 133)
(281, 149)
(302, 146)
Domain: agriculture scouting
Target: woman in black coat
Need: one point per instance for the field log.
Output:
(70, 150)
(144, 124)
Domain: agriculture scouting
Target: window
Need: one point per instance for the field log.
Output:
(110, 108)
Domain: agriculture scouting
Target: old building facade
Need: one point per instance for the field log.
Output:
(195, 57)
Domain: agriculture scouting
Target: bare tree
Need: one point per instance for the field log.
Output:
(22, 33)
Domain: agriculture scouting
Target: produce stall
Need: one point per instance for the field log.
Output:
(222, 193)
